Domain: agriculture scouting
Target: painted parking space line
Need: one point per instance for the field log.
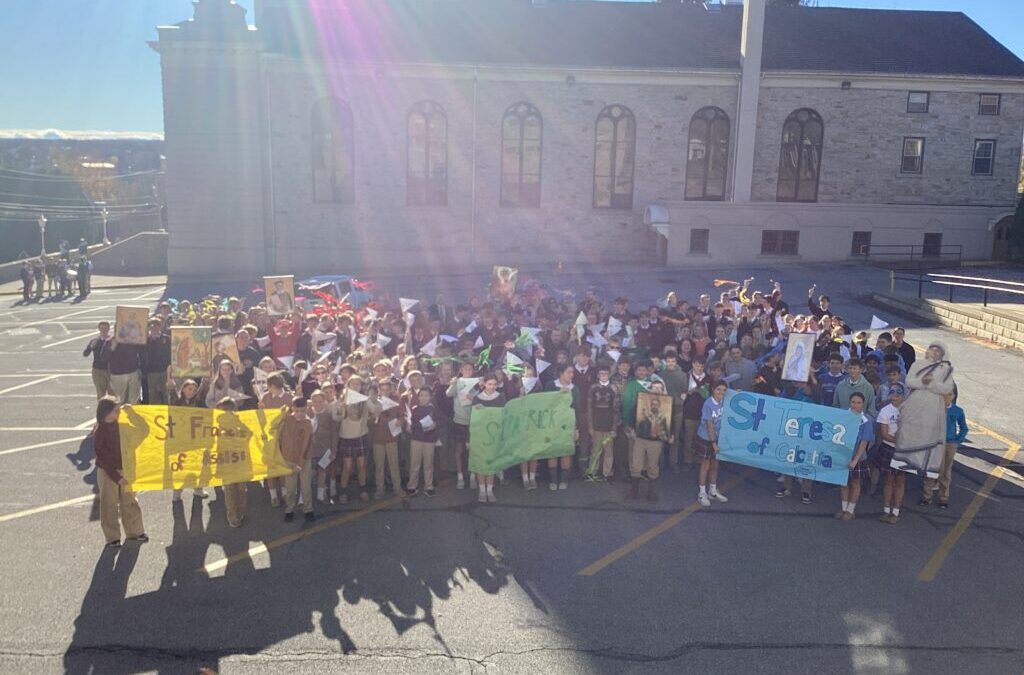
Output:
(662, 527)
(326, 524)
(65, 341)
(23, 385)
(945, 547)
(35, 446)
(64, 316)
(47, 507)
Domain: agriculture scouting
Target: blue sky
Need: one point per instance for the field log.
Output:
(84, 64)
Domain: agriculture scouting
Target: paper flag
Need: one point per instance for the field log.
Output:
(532, 333)
(449, 338)
(387, 404)
(371, 312)
(529, 383)
(614, 325)
(325, 461)
(597, 340)
(542, 365)
(431, 347)
(614, 354)
(383, 340)
(364, 341)
(395, 427)
(410, 318)
(407, 304)
(878, 324)
(463, 386)
(471, 327)
(581, 319)
(353, 397)
(479, 343)
(287, 362)
(513, 364)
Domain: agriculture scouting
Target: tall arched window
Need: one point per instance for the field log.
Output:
(800, 157)
(427, 156)
(707, 154)
(333, 152)
(614, 157)
(522, 131)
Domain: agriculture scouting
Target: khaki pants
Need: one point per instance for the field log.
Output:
(945, 474)
(127, 388)
(645, 456)
(689, 434)
(234, 502)
(604, 445)
(118, 505)
(421, 453)
(101, 380)
(386, 452)
(296, 482)
(156, 388)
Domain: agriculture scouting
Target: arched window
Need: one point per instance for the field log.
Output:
(800, 157)
(522, 131)
(427, 156)
(614, 157)
(707, 155)
(333, 152)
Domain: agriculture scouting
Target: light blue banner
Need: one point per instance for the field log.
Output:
(788, 437)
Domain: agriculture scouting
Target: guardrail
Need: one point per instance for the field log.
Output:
(954, 281)
(941, 255)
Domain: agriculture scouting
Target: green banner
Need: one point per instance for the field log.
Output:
(537, 426)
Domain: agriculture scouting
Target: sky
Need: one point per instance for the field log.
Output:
(85, 64)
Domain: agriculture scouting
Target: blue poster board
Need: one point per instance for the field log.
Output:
(788, 437)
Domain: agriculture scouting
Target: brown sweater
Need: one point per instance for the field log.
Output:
(295, 437)
(107, 442)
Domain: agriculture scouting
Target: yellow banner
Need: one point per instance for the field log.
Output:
(168, 447)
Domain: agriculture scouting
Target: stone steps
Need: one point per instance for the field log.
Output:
(1003, 328)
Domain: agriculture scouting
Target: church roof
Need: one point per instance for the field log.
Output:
(634, 35)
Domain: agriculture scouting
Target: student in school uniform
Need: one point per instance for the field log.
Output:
(423, 433)
(706, 445)
(385, 439)
(859, 468)
(488, 397)
(295, 439)
(564, 382)
(325, 434)
(604, 413)
(354, 425)
(895, 480)
(461, 409)
(186, 396)
(100, 352)
(118, 505)
(276, 397)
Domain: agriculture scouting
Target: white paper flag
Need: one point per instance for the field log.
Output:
(581, 318)
(325, 461)
(352, 397)
(407, 304)
(533, 333)
(427, 423)
(383, 340)
(449, 338)
(371, 312)
(387, 404)
(410, 318)
(479, 342)
(364, 341)
(395, 427)
(471, 327)
(597, 340)
(430, 348)
(614, 354)
(614, 326)
(542, 365)
(287, 362)
(878, 324)
(511, 360)
(529, 383)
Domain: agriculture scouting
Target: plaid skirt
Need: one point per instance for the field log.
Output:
(881, 457)
(459, 433)
(703, 449)
(861, 472)
(351, 448)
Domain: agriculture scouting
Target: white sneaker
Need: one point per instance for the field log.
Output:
(719, 497)
(275, 501)
(460, 484)
(482, 498)
(564, 485)
(472, 481)
(704, 499)
(501, 478)
(491, 499)
(552, 486)
(531, 484)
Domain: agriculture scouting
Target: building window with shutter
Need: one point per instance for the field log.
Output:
(780, 242)
(984, 157)
(989, 104)
(913, 156)
(699, 240)
(917, 102)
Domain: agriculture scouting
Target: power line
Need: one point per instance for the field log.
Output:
(49, 178)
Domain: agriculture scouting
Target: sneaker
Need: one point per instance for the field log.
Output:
(924, 502)
(310, 517)
(782, 492)
(943, 505)
(805, 497)
(531, 485)
(704, 499)
(552, 486)
(412, 492)
(884, 518)
(199, 493)
(289, 517)
(719, 497)
(429, 492)
(460, 484)
(142, 538)
(839, 515)
(609, 479)
(589, 477)
(378, 495)
(847, 516)
(275, 501)
(472, 481)
(564, 485)
(482, 498)
(491, 499)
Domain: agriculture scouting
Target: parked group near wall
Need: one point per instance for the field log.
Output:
(387, 391)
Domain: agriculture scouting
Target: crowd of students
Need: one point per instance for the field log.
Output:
(57, 276)
(376, 396)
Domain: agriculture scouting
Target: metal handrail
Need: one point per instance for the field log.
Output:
(992, 285)
(913, 252)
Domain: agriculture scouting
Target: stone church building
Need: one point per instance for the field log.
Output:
(344, 135)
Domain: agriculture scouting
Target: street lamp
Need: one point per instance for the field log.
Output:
(106, 240)
(42, 234)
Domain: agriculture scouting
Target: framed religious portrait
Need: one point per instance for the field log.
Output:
(797, 365)
(280, 294)
(654, 416)
(224, 347)
(130, 324)
(190, 351)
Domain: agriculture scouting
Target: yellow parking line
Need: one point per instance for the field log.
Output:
(662, 527)
(934, 564)
(266, 547)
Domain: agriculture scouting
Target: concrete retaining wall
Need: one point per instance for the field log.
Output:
(999, 327)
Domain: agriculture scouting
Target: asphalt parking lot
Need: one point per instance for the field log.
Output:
(561, 582)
